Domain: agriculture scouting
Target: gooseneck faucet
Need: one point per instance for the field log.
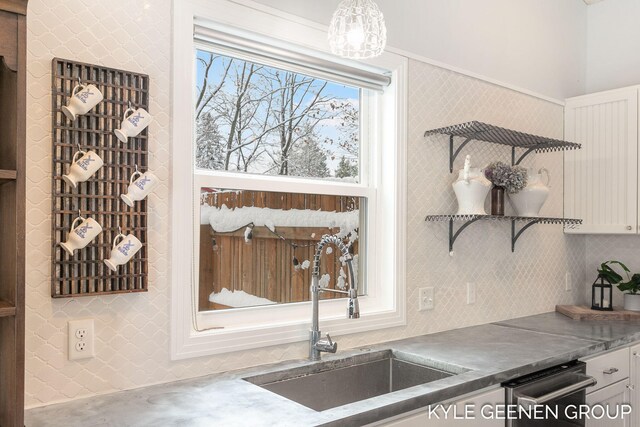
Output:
(316, 344)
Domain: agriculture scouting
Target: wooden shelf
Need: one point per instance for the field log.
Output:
(7, 309)
(7, 175)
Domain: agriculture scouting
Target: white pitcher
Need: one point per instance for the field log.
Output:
(471, 189)
(529, 200)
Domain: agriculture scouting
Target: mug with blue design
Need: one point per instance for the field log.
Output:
(133, 123)
(82, 168)
(83, 99)
(81, 234)
(139, 188)
(124, 248)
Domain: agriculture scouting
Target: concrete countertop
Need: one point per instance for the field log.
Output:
(491, 353)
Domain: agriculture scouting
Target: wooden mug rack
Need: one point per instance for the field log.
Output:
(85, 273)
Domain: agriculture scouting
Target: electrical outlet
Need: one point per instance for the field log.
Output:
(568, 282)
(426, 296)
(471, 293)
(81, 339)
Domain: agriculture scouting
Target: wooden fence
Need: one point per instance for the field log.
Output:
(265, 266)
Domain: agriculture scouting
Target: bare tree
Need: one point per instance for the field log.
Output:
(301, 106)
(256, 115)
(207, 92)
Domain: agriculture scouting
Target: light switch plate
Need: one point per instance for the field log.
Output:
(568, 285)
(471, 293)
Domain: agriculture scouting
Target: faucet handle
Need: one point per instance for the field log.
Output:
(326, 345)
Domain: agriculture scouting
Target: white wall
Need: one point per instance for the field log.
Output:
(538, 45)
(613, 43)
(132, 330)
(601, 248)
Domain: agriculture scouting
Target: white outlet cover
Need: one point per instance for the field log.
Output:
(81, 337)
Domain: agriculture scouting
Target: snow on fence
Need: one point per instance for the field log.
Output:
(265, 267)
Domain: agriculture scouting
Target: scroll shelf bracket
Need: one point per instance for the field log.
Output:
(515, 235)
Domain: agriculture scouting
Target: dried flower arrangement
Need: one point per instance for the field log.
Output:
(511, 178)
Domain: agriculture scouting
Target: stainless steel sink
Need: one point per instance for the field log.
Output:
(333, 383)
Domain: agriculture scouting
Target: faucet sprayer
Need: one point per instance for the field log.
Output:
(317, 345)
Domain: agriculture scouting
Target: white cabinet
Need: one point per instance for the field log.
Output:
(438, 418)
(609, 368)
(611, 396)
(601, 179)
(612, 371)
(634, 381)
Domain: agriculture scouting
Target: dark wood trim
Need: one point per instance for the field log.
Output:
(7, 309)
(12, 210)
(14, 6)
(7, 175)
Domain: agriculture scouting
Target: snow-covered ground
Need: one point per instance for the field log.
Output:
(237, 298)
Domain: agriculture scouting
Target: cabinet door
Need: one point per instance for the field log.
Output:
(635, 385)
(613, 395)
(601, 179)
(474, 405)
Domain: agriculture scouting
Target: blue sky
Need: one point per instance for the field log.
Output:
(329, 129)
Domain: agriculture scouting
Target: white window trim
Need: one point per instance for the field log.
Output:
(385, 306)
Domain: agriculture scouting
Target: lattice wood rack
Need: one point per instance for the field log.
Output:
(85, 273)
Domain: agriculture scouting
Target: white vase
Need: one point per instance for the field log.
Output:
(529, 200)
(632, 302)
(471, 190)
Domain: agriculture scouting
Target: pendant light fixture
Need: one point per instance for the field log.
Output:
(357, 30)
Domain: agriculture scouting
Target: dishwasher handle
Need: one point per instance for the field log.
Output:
(587, 381)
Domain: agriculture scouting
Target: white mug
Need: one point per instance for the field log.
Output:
(133, 123)
(83, 99)
(81, 169)
(140, 188)
(122, 252)
(79, 236)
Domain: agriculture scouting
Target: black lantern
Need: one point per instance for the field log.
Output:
(601, 294)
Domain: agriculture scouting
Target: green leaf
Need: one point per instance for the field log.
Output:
(607, 272)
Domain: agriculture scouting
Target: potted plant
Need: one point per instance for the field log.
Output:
(504, 178)
(631, 287)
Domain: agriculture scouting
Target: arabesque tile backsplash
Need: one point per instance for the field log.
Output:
(132, 331)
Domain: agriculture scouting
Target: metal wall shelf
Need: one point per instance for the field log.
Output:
(494, 134)
(467, 220)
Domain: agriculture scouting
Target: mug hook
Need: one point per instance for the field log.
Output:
(128, 103)
(136, 166)
(78, 145)
(79, 81)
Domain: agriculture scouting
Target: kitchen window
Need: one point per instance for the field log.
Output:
(256, 247)
(275, 145)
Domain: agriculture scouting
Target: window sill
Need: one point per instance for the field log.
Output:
(217, 341)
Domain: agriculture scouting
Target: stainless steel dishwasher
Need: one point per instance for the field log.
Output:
(549, 398)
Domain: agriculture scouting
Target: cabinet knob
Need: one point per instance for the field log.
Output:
(610, 371)
(629, 227)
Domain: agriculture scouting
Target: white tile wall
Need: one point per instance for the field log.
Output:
(132, 331)
(604, 248)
